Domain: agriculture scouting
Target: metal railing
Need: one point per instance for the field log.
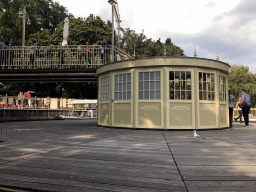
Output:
(58, 57)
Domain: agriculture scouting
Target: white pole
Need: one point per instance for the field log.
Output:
(112, 47)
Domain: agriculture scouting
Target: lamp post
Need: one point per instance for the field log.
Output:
(112, 2)
(22, 14)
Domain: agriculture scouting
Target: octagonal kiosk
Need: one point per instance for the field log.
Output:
(164, 93)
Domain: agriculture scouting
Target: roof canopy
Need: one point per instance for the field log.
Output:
(83, 102)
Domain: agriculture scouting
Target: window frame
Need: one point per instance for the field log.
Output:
(180, 81)
(150, 84)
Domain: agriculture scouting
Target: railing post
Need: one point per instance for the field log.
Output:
(60, 55)
(35, 102)
(69, 58)
(87, 55)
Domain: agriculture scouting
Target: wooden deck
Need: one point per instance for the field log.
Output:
(79, 156)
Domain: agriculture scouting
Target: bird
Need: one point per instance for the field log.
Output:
(197, 136)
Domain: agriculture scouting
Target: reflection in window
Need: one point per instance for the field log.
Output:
(206, 86)
(223, 88)
(149, 85)
(104, 94)
(123, 86)
(180, 85)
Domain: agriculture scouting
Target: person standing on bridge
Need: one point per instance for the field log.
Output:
(32, 52)
(2, 47)
(79, 53)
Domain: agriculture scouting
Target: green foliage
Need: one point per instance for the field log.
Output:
(241, 78)
(81, 30)
(41, 15)
(147, 47)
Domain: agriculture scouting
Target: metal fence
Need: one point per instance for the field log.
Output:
(58, 57)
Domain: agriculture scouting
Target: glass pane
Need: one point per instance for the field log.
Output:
(146, 85)
(212, 87)
(204, 86)
(152, 75)
(183, 75)
(116, 79)
(108, 80)
(129, 95)
(152, 85)
(120, 95)
(200, 86)
(116, 87)
(129, 77)
(188, 75)
(158, 75)
(140, 85)
(116, 96)
(171, 75)
(221, 80)
(128, 86)
(189, 95)
(188, 85)
(177, 95)
(200, 76)
(171, 94)
(183, 95)
(124, 87)
(177, 86)
(124, 78)
(158, 85)
(152, 94)
(140, 95)
(146, 76)
(200, 95)
(177, 74)
(212, 78)
(140, 76)
(120, 78)
(158, 95)
(208, 86)
(124, 95)
(204, 96)
(213, 96)
(171, 85)
(208, 77)
(183, 85)
(209, 96)
(204, 76)
(120, 87)
(146, 95)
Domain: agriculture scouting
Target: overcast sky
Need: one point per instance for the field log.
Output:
(224, 26)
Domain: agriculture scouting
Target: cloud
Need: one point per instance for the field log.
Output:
(210, 5)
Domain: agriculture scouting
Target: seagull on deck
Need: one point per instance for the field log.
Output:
(197, 136)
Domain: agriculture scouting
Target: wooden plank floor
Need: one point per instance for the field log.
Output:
(79, 156)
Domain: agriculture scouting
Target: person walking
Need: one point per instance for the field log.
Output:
(231, 106)
(90, 112)
(239, 109)
(246, 106)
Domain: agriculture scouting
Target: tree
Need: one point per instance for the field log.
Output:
(147, 47)
(131, 41)
(241, 78)
(41, 14)
(81, 30)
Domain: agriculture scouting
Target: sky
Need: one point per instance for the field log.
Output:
(226, 27)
